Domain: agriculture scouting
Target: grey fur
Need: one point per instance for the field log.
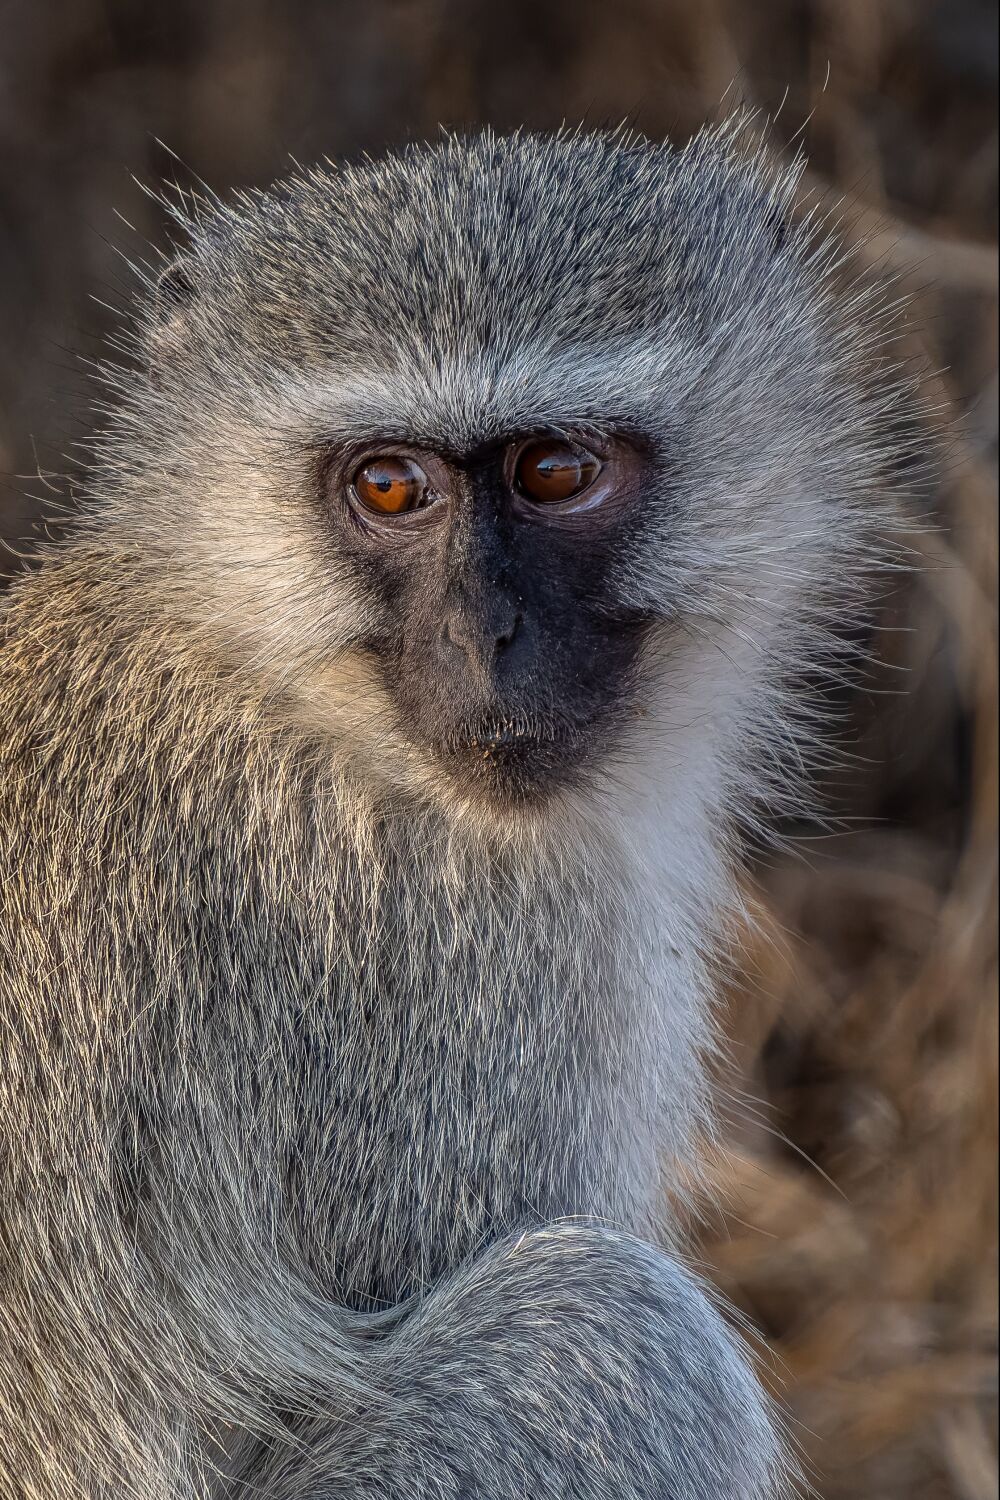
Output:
(290, 1027)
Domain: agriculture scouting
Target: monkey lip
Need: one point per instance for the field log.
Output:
(499, 735)
(517, 759)
(495, 736)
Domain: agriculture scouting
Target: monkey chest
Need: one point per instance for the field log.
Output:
(426, 1132)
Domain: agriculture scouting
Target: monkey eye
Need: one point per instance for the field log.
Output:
(390, 483)
(552, 469)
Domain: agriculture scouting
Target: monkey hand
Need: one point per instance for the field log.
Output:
(568, 1361)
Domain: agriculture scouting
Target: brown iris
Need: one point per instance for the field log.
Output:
(551, 470)
(390, 484)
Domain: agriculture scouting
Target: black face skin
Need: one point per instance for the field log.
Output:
(502, 651)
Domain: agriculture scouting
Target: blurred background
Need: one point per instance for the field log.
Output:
(854, 1204)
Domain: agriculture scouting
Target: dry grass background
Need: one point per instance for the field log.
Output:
(856, 1201)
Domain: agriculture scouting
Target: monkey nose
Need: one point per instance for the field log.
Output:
(507, 634)
(481, 642)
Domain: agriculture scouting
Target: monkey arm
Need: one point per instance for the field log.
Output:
(567, 1362)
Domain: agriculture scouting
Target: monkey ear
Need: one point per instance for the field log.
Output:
(172, 299)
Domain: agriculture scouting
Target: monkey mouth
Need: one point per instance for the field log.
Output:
(517, 759)
(491, 736)
(487, 739)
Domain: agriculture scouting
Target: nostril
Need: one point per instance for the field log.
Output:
(454, 634)
(507, 637)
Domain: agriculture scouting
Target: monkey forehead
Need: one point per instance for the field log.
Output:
(496, 259)
(468, 398)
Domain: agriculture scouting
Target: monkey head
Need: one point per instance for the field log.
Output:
(511, 461)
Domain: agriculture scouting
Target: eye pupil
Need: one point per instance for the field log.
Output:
(390, 484)
(553, 470)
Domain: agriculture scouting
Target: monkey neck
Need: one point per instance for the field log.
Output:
(375, 1034)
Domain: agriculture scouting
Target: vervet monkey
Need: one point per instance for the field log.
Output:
(369, 763)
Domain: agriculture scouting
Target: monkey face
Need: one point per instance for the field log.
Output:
(515, 464)
(495, 635)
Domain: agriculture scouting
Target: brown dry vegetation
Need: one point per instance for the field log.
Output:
(856, 1217)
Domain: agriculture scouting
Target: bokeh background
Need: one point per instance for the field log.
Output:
(854, 1206)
